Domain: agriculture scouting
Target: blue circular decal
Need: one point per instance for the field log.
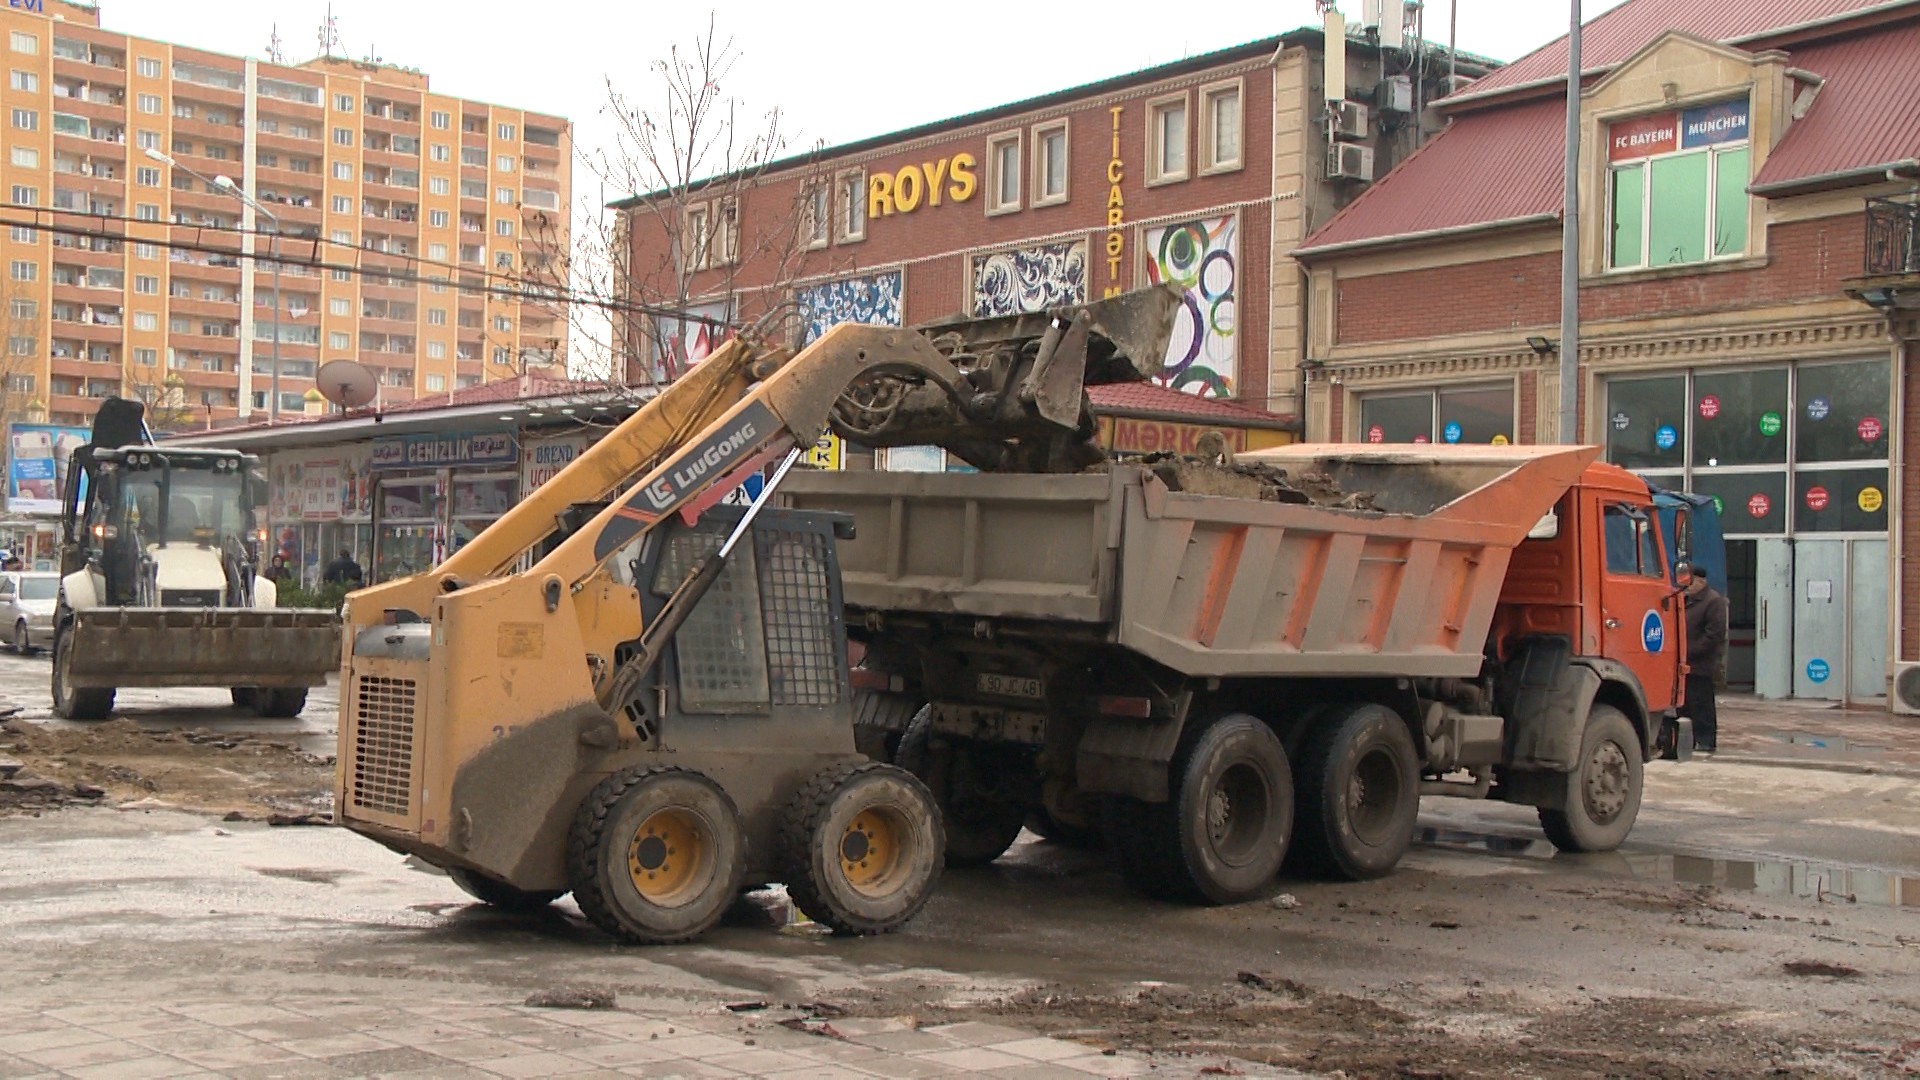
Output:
(1818, 671)
(1653, 632)
(1452, 432)
(1818, 408)
(1666, 436)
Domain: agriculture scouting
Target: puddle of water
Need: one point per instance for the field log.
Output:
(1835, 743)
(1808, 881)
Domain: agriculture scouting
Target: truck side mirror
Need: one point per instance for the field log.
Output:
(1547, 528)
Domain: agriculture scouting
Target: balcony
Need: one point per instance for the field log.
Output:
(1891, 281)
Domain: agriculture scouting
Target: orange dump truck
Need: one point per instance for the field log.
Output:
(1219, 681)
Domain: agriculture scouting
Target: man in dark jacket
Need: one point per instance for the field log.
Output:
(342, 571)
(1706, 614)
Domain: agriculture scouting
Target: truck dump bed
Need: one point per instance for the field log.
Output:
(1215, 585)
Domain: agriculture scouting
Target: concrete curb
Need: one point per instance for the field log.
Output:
(1855, 768)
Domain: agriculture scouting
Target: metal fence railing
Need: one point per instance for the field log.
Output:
(1893, 237)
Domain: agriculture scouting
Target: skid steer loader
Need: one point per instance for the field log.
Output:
(657, 715)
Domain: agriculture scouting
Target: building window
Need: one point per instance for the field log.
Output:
(699, 236)
(1167, 140)
(343, 170)
(146, 320)
(182, 110)
(441, 121)
(149, 67)
(24, 308)
(503, 196)
(339, 339)
(343, 102)
(1220, 140)
(146, 251)
(150, 104)
(26, 119)
(439, 185)
(505, 131)
(852, 211)
(816, 215)
(436, 316)
(146, 176)
(339, 305)
(503, 227)
(146, 284)
(1677, 187)
(503, 324)
(22, 346)
(438, 218)
(1003, 173)
(342, 204)
(343, 136)
(441, 152)
(26, 157)
(26, 43)
(1050, 164)
(1480, 415)
(147, 211)
(27, 82)
(438, 253)
(26, 196)
(503, 163)
(146, 357)
(437, 383)
(436, 350)
(148, 140)
(24, 270)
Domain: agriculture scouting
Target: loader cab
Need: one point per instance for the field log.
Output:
(767, 641)
(146, 508)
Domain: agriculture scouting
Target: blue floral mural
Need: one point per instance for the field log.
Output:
(872, 298)
(1029, 279)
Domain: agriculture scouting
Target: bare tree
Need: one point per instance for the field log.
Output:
(20, 359)
(165, 397)
(697, 164)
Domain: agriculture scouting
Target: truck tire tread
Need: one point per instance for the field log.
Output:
(1326, 844)
(976, 834)
(1576, 828)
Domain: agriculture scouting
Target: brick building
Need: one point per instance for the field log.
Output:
(1205, 172)
(364, 165)
(1729, 157)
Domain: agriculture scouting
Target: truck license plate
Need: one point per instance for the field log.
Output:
(1012, 686)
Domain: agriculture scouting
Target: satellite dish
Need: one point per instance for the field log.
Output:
(347, 383)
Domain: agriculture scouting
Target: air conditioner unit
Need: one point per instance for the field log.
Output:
(1394, 94)
(1346, 120)
(1905, 698)
(1345, 161)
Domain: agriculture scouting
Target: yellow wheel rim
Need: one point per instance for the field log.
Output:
(872, 852)
(668, 857)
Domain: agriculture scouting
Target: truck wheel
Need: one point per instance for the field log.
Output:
(243, 696)
(862, 847)
(280, 702)
(1603, 791)
(76, 703)
(978, 830)
(656, 855)
(1051, 829)
(1359, 794)
(1222, 836)
(496, 893)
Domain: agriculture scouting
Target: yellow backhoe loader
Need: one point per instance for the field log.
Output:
(657, 715)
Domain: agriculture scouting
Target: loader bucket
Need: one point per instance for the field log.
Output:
(276, 647)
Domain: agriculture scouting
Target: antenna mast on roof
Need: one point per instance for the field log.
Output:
(329, 34)
(275, 54)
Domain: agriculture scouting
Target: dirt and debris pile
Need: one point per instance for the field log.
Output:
(1220, 475)
(119, 763)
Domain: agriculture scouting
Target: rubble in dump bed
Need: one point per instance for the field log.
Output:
(1221, 475)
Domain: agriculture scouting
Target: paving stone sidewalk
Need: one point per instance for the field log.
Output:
(1818, 735)
(298, 1038)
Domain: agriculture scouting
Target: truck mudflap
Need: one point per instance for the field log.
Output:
(270, 647)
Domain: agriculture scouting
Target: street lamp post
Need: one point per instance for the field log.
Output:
(225, 183)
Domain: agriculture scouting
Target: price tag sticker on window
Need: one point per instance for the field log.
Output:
(1759, 506)
(1871, 500)
(1870, 429)
(1709, 407)
(1769, 424)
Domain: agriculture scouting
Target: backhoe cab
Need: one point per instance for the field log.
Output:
(657, 715)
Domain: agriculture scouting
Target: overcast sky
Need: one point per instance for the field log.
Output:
(837, 77)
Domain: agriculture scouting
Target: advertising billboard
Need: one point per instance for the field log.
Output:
(37, 458)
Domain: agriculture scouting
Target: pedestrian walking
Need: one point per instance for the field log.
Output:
(1706, 616)
(343, 571)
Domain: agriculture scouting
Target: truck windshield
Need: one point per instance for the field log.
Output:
(202, 507)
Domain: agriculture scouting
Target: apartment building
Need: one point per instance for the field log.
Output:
(369, 185)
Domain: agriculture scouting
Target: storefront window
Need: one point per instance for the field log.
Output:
(1840, 500)
(1480, 415)
(477, 503)
(1397, 418)
(403, 542)
(1647, 422)
(1843, 412)
(1740, 418)
(1748, 502)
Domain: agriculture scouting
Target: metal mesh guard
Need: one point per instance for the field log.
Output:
(383, 744)
(798, 614)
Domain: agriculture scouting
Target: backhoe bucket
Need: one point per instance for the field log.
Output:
(269, 647)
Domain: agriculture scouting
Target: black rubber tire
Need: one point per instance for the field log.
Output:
(1603, 791)
(605, 835)
(280, 702)
(22, 640)
(978, 830)
(243, 696)
(76, 703)
(498, 894)
(1363, 752)
(1223, 834)
(824, 832)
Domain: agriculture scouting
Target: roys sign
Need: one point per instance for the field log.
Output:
(907, 189)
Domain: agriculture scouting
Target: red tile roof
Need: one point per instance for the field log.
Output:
(1515, 151)
(1147, 399)
(1614, 36)
(1865, 117)
(503, 390)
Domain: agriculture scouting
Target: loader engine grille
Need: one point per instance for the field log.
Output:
(383, 744)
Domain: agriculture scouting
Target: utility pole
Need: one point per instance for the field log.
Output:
(1570, 246)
